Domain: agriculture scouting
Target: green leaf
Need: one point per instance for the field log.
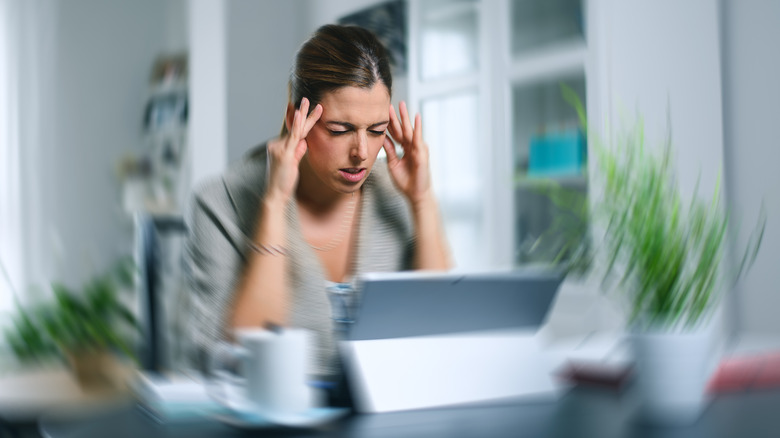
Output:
(571, 97)
(669, 252)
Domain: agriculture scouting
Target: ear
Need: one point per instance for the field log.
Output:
(289, 115)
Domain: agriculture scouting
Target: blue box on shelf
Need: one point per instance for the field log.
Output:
(557, 153)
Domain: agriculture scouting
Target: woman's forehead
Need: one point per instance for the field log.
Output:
(357, 106)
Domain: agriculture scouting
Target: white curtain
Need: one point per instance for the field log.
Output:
(10, 165)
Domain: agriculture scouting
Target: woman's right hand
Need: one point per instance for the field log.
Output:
(286, 152)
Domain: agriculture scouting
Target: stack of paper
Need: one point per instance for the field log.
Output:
(174, 398)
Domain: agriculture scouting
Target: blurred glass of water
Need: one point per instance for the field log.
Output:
(343, 304)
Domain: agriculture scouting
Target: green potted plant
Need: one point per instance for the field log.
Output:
(668, 254)
(87, 329)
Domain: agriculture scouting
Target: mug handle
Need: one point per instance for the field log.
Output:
(223, 386)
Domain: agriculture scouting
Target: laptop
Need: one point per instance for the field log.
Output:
(422, 339)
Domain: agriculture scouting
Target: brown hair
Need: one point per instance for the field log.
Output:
(334, 57)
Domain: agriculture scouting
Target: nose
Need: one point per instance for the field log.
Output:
(360, 147)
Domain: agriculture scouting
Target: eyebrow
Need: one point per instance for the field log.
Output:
(351, 126)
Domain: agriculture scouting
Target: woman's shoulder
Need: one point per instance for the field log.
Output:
(247, 173)
(230, 193)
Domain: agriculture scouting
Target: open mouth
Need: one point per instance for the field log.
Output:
(353, 174)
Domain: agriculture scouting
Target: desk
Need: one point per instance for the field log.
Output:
(579, 413)
(26, 394)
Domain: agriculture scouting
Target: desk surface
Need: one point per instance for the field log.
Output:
(580, 412)
(24, 395)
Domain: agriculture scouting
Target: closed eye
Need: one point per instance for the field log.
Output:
(332, 132)
(377, 132)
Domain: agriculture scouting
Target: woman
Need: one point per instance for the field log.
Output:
(311, 206)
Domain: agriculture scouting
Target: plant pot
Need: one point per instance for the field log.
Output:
(673, 368)
(96, 370)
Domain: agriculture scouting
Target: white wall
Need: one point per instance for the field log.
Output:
(262, 38)
(649, 71)
(176, 26)
(85, 113)
(241, 52)
(751, 68)
(207, 136)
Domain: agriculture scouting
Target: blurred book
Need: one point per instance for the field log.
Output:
(748, 372)
(606, 375)
(600, 360)
(557, 153)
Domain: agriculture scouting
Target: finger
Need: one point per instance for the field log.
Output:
(418, 130)
(405, 123)
(302, 116)
(274, 146)
(300, 150)
(395, 130)
(389, 147)
(396, 137)
(394, 127)
(292, 135)
(315, 115)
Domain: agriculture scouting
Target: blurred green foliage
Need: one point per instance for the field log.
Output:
(567, 240)
(667, 253)
(94, 319)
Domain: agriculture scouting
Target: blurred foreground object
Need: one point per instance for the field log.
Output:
(667, 252)
(747, 373)
(30, 393)
(90, 330)
(176, 398)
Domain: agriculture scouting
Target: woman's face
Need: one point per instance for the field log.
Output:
(344, 143)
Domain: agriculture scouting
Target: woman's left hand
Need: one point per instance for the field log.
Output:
(410, 173)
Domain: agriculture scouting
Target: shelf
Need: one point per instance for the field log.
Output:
(567, 180)
(176, 87)
(445, 12)
(542, 65)
(537, 24)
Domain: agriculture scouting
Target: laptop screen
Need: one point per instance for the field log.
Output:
(396, 305)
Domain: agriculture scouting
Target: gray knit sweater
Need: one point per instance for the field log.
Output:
(222, 216)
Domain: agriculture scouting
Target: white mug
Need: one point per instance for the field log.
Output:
(272, 368)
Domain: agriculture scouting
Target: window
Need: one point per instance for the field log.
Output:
(444, 73)
(486, 75)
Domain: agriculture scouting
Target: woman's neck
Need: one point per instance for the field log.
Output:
(315, 196)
